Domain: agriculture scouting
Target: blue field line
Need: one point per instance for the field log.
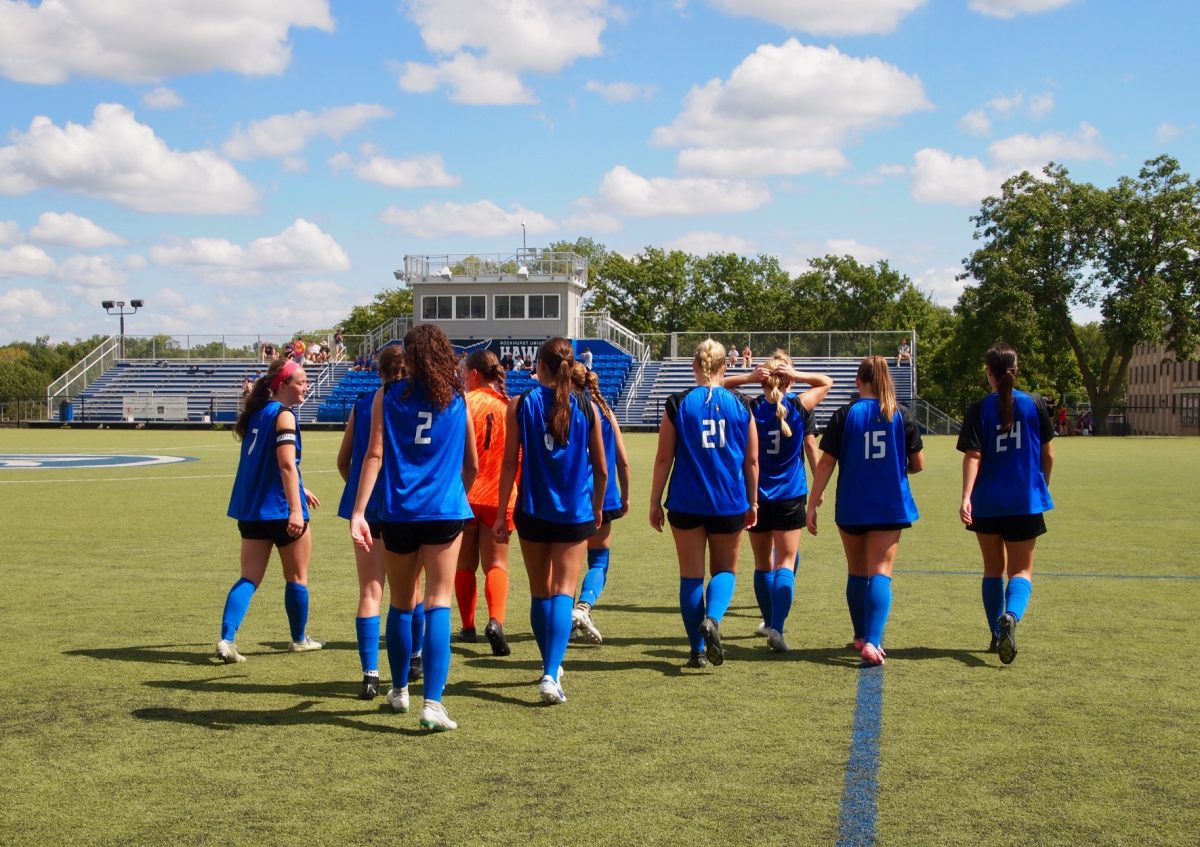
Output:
(856, 822)
(1039, 574)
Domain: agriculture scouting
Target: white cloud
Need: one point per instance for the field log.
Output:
(1026, 151)
(92, 271)
(787, 109)
(1042, 104)
(704, 243)
(628, 193)
(1012, 8)
(1165, 134)
(281, 135)
(589, 216)
(10, 232)
(25, 260)
(979, 121)
(72, 230)
(138, 42)
(940, 284)
(302, 247)
(865, 253)
(1006, 104)
(621, 92)
(121, 160)
(424, 171)
(879, 174)
(488, 44)
(481, 219)
(975, 122)
(30, 303)
(162, 98)
(822, 17)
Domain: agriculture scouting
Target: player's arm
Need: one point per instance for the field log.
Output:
(750, 472)
(757, 375)
(811, 452)
(508, 469)
(916, 447)
(663, 460)
(285, 457)
(821, 475)
(1047, 460)
(346, 450)
(372, 461)
(470, 465)
(970, 471)
(622, 468)
(599, 466)
(818, 385)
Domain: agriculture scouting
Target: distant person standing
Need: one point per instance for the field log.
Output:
(585, 358)
(298, 350)
(339, 346)
(1007, 460)
(747, 356)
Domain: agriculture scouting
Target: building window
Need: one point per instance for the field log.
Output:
(1189, 409)
(544, 306)
(439, 308)
(509, 307)
(470, 307)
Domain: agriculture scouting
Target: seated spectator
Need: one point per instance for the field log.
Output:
(298, 348)
(747, 356)
(247, 386)
(904, 354)
(267, 352)
(339, 346)
(733, 357)
(360, 364)
(585, 358)
(372, 363)
(519, 364)
(506, 362)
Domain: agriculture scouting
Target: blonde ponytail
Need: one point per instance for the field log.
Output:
(873, 371)
(775, 389)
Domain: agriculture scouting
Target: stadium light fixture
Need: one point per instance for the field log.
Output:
(117, 307)
(445, 273)
(522, 272)
(399, 275)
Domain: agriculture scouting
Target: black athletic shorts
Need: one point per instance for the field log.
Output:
(781, 515)
(273, 531)
(539, 531)
(713, 524)
(611, 515)
(864, 528)
(376, 529)
(408, 536)
(1011, 527)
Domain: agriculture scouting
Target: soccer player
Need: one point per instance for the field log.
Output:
(369, 564)
(1007, 459)
(710, 449)
(786, 434)
(552, 432)
(616, 504)
(487, 404)
(876, 445)
(271, 505)
(422, 450)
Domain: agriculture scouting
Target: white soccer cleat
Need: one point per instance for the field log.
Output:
(762, 630)
(581, 619)
(551, 690)
(434, 717)
(398, 699)
(775, 641)
(228, 653)
(305, 646)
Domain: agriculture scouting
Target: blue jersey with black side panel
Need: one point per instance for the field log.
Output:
(872, 454)
(711, 430)
(362, 435)
(258, 487)
(781, 473)
(556, 479)
(612, 492)
(421, 476)
(1010, 482)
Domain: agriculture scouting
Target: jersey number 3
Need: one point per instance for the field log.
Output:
(713, 429)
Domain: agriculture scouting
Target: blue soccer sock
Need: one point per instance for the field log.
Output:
(720, 594)
(236, 604)
(782, 593)
(763, 582)
(596, 576)
(691, 607)
(558, 632)
(539, 614)
(856, 602)
(418, 628)
(367, 631)
(993, 602)
(879, 603)
(437, 651)
(399, 644)
(1016, 596)
(295, 602)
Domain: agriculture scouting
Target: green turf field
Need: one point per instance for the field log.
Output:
(116, 727)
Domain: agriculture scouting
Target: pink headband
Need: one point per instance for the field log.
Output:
(285, 372)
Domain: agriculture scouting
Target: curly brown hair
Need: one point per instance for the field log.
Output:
(431, 362)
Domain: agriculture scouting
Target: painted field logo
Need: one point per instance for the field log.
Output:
(49, 461)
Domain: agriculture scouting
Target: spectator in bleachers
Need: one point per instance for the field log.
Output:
(506, 362)
(732, 359)
(360, 363)
(904, 354)
(519, 365)
(298, 349)
(585, 358)
(247, 385)
(267, 352)
(372, 363)
(339, 346)
(747, 356)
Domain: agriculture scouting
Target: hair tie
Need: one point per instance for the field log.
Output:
(289, 368)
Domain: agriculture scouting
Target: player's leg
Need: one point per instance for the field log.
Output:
(764, 577)
(403, 574)
(783, 589)
(566, 561)
(1020, 556)
(991, 547)
(371, 575)
(593, 583)
(466, 589)
(537, 567)
(690, 548)
(440, 563)
(881, 556)
(255, 556)
(857, 578)
(723, 557)
(494, 557)
(295, 557)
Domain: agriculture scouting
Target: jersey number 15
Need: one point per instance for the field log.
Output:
(875, 444)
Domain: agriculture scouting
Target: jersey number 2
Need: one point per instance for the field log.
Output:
(713, 428)
(426, 421)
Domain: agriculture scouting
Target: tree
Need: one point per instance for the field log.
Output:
(388, 303)
(1051, 244)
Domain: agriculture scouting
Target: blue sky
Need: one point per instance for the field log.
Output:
(261, 167)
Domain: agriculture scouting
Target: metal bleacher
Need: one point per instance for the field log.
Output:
(211, 389)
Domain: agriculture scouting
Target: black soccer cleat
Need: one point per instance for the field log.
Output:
(416, 668)
(697, 660)
(467, 634)
(370, 687)
(494, 632)
(1007, 648)
(712, 641)
(994, 644)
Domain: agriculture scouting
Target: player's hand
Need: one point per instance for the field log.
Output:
(763, 372)
(964, 512)
(313, 502)
(360, 532)
(500, 529)
(295, 524)
(811, 520)
(624, 507)
(752, 515)
(657, 518)
(598, 514)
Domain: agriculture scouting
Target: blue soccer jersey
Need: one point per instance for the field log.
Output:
(781, 473)
(362, 436)
(872, 455)
(423, 446)
(258, 493)
(711, 431)
(612, 493)
(1010, 482)
(556, 479)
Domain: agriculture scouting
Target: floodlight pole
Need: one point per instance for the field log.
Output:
(117, 307)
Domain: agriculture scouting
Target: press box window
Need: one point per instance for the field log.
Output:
(470, 307)
(543, 306)
(510, 306)
(437, 308)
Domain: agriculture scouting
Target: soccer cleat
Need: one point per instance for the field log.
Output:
(872, 656)
(398, 699)
(1007, 647)
(775, 641)
(416, 668)
(552, 690)
(762, 629)
(305, 646)
(857, 644)
(712, 641)
(434, 717)
(994, 644)
(697, 660)
(370, 687)
(467, 634)
(581, 617)
(228, 653)
(494, 632)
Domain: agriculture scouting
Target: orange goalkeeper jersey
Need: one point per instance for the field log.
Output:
(487, 408)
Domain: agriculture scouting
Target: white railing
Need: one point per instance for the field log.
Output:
(389, 330)
(933, 419)
(80, 375)
(636, 386)
(600, 325)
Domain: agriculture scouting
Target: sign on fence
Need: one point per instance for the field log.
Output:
(154, 407)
